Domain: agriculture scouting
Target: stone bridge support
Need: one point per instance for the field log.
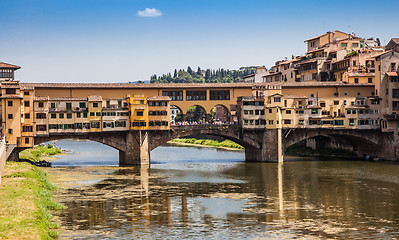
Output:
(137, 150)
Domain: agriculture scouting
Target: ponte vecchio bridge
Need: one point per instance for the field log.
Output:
(135, 142)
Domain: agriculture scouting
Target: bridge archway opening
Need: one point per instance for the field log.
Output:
(83, 152)
(359, 146)
(220, 114)
(196, 113)
(176, 114)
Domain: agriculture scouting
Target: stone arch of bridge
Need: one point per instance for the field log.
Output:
(365, 143)
(245, 141)
(114, 140)
(226, 115)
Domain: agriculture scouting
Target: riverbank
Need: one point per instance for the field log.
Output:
(39, 153)
(26, 203)
(226, 144)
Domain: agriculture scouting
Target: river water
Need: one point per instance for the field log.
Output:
(204, 193)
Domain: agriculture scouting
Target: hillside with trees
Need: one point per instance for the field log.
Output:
(203, 76)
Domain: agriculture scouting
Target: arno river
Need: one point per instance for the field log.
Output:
(203, 193)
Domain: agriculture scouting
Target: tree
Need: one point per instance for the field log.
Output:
(175, 74)
(189, 70)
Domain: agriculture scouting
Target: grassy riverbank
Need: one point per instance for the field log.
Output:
(38, 152)
(26, 202)
(227, 144)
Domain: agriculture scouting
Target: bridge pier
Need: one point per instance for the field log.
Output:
(271, 148)
(136, 151)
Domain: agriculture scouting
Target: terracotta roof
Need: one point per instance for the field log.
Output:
(314, 84)
(11, 96)
(26, 87)
(140, 85)
(159, 98)
(392, 74)
(317, 50)
(310, 39)
(357, 74)
(271, 74)
(378, 55)
(67, 99)
(308, 61)
(7, 65)
(247, 76)
(294, 96)
(46, 98)
(10, 85)
(94, 98)
(395, 40)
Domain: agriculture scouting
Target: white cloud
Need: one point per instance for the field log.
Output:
(150, 12)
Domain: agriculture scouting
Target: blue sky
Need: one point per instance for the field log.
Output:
(108, 41)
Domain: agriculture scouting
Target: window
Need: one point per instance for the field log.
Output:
(27, 115)
(336, 102)
(95, 105)
(27, 140)
(10, 103)
(10, 130)
(26, 104)
(92, 114)
(322, 104)
(11, 91)
(277, 99)
(344, 45)
(82, 105)
(95, 124)
(40, 115)
(53, 105)
(174, 95)
(195, 95)
(10, 116)
(355, 45)
(270, 110)
(270, 122)
(335, 94)
(344, 102)
(288, 111)
(219, 94)
(78, 115)
(315, 111)
(393, 67)
(53, 115)
(301, 122)
(287, 121)
(140, 113)
(85, 114)
(61, 115)
(312, 95)
(370, 80)
(41, 127)
(41, 104)
(395, 92)
(27, 129)
(353, 111)
(356, 80)
(98, 114)
(345, 94)
(69, 106)
(69, 115)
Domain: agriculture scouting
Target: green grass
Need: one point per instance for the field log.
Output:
(26, 203)
(207, 142)
(35, 154)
